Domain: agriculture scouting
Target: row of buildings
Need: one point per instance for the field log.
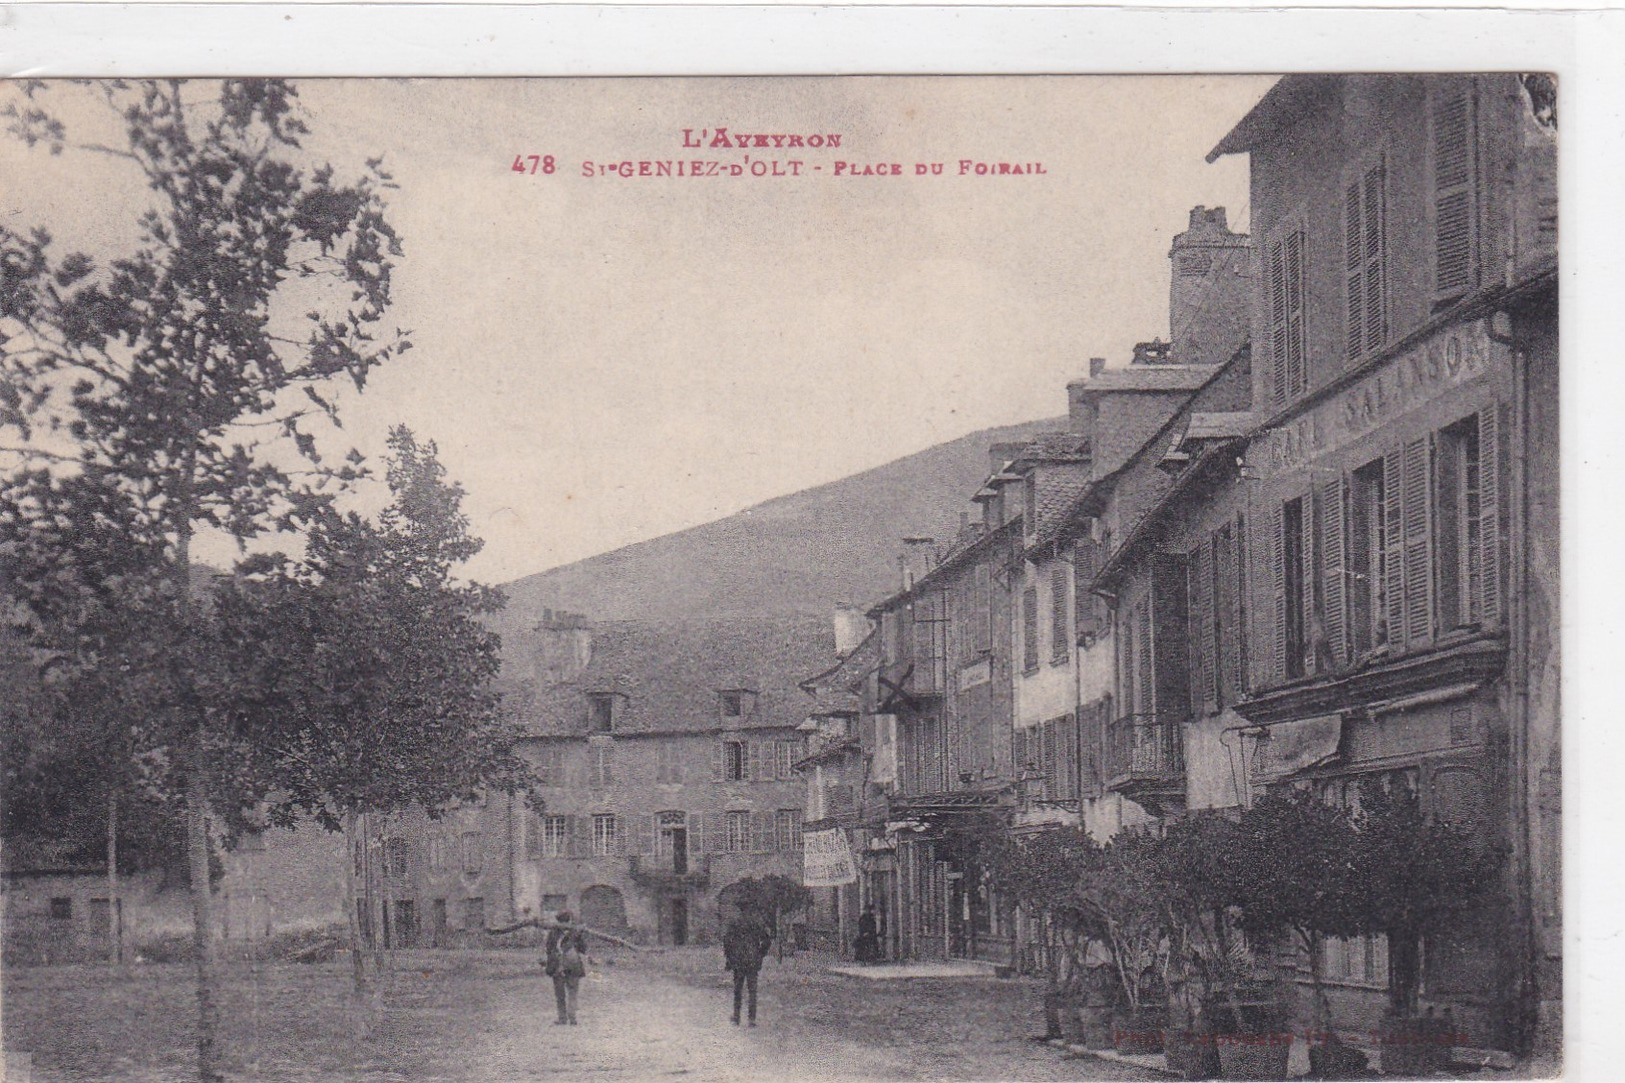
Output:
(1310, 539)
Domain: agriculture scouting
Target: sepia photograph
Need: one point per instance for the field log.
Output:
(891, 577)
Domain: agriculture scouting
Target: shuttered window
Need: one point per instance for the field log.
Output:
(1125, 662)
(1144, 702)
(1455, 195)
(1468, 530)
(1418, 552)
(1203, 630)
(1365, 258)
(1291, 563)
(601, 761)
(1367, 588)
(982, 610)
(1284, 288)
(1225, 634)
(1060, 634)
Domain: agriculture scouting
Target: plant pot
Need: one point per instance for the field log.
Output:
(1337, 1060)
(1415, 1046)
(1253, 1056)
(1138, 1032)
(1191, 1053)
(1055, 1005)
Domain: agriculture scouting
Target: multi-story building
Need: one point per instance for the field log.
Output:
(943, 681)
(664, 755)
(1397, 518)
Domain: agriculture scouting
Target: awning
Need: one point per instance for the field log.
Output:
(1298, 745)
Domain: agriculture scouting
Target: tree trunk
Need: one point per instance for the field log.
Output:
(115, 912)
(376, 879)
(197, 854)
(1317, 981)
(352, 901)
(1404, 969)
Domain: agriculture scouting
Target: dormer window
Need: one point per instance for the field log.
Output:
(601, 712)
(733, 704)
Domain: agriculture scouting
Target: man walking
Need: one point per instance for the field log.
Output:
(566, 964)
(744, 946)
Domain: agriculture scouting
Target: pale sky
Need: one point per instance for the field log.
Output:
(606, 359)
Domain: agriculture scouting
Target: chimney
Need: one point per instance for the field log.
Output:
(1155, 352)
(1097, 365)
(851, 629)
(563, 648)
(916, 559)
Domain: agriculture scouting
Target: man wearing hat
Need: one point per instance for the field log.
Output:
(566, 964)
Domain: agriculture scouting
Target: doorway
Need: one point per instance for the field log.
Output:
(672, 839)
(679, 922)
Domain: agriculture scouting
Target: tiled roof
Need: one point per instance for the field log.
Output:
(1055, 447)
(1218, 426)
(666, 675)
(1147, 378)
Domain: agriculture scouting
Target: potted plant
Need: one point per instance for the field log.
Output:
(1208, 955)
(1121, 890)
(1417, 873)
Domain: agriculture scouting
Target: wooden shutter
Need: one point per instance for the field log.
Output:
(1018, 751)
(696, 833)
(620, 834)
(1145, 704)
(1029, 628)
(1239, 630)
(1418, 541)
(1200, 571)
(1376, 256)
(1309, 549)
(716, 832)
(1454, 188)
(983, 615)
(762, 828)
(1275, 288)
(1334, 558)
(1489, 515)
(1354, 264)
(754, 769)
(1277, 669)
(1060, 642)
(1296, 363)
(1364, 257)
(720, 765)
(1393, 547)
(1224, 624)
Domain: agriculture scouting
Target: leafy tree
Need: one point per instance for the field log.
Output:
(1122, 889)
(150, 395)
(1044, 872)
(1298, 870)
(1415, 873)
(366, 668)
(768, 900)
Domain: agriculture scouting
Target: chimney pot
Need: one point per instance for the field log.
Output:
(1097, 365)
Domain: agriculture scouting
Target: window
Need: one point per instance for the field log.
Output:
(1455, 190)
(1291, 600)
(1367, 561)
(601, 763)
(1029, 629)
(61, 908)
(1060, 628)
(396, 852)
(605, 834)
(1361, 960)
(1365, 256)
(784, 756)
(669, 762)
(555, 836)
(437, 852)
(733, 762)
(789, 828)
(737, 840)
(1283, 283)
(550, 765)
(474, 913)
(473, 853)
(982, 609)
(733, 704)
(1468, 530)
(600, 712)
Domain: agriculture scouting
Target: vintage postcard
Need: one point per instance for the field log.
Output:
(797, 577)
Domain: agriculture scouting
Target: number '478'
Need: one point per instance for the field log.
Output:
(538, 163)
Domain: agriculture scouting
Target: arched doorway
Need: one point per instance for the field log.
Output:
(602, 907)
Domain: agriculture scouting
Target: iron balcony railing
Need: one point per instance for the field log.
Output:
(1143, 748)
(663, 871)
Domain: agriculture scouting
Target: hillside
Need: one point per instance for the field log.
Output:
(802, 553)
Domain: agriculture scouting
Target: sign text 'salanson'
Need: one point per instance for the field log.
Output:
(753, 164)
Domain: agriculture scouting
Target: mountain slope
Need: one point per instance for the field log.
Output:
(802, 553)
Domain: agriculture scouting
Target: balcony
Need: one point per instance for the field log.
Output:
(1145, 761)
(667, 872)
